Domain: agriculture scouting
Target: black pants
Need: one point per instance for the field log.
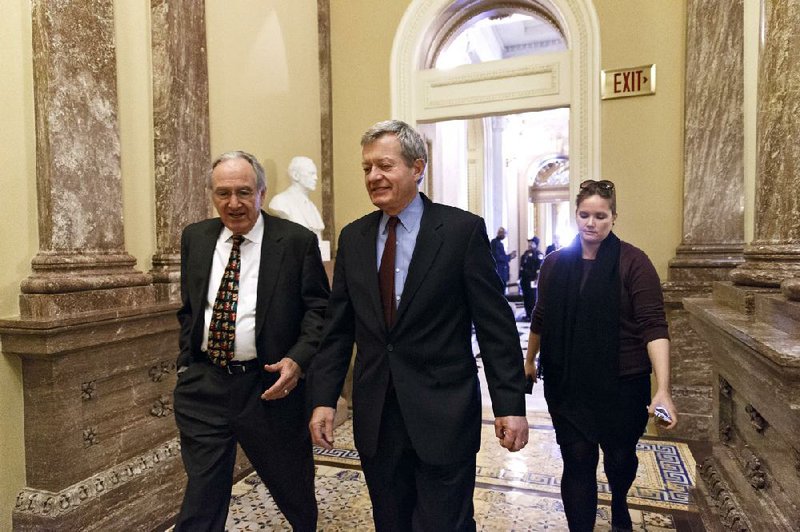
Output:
(618, 442)
(579, 483)
(214, 410)
(408, 494)
(528, 296)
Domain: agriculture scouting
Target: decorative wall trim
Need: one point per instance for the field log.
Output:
(753, 471)
(725, 388)
(43, 503)
(725, 433)
(159, 371)
(90, 437)
(88, 390)
(722, 497)
(162, 407)
(756, 420)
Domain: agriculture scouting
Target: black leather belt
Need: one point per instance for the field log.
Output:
(235, 367)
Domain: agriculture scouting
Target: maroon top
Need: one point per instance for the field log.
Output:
(642, 317)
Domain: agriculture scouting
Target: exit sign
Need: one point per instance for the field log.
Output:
(623, 82)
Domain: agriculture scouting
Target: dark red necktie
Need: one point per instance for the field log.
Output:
(386, 272)
(221, 330)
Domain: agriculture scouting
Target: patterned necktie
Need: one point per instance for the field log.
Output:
(221, 330)
(386, 272)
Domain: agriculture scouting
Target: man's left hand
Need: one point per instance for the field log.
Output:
(512, 431)
(289, 373)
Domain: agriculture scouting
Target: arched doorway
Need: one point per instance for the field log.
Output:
(481, 94)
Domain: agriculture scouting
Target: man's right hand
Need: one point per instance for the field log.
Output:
(321, 426)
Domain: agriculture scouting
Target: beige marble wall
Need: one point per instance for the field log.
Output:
(181, 131)
(774, 255)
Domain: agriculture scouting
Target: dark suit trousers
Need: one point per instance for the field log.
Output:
(408, 494)
(214, 410)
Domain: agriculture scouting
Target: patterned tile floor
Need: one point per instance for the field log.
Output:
(516, 491)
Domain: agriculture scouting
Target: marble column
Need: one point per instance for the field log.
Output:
(713, 197)
(326, 118)
(82, 264)
(713, 185)
(774, 254)
(96, 348)
(750, 479)
(181, 132)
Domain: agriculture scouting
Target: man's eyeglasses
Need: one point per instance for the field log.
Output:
(244, 194)
(603, 184)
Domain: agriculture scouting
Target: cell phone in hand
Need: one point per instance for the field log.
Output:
(528, 385)
(661, 413)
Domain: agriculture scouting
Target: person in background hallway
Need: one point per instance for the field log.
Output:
(552, 247)
(599, 321)
(501, 259)
(410, 280)
(529, 265)
(253, 298)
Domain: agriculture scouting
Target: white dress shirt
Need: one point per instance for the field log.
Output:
(244, 346)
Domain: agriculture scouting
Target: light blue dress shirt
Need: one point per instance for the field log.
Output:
(407, 232)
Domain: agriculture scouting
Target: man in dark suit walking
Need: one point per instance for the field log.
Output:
(253, 293)
(410, 280)
(501, 258)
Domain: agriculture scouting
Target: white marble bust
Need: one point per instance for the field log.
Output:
(293, 203)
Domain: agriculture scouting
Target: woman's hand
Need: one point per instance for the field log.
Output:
(530, 370)
(534, 341)
(662, 398)
(658, 350)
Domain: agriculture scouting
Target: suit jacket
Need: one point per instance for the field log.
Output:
(501, 258)
(292, 293)
(451, 284)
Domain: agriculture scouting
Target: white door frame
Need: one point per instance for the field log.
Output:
(579, 22)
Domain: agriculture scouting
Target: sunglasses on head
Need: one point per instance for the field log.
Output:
(603, 184)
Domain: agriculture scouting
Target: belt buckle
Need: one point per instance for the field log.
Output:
(236, 368)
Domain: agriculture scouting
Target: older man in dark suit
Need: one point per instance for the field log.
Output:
(253, 292)
(410, 280)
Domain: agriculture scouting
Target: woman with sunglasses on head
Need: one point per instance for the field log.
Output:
(599, 321)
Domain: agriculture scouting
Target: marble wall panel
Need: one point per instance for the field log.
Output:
(713, 195)
(77, 142)
(751, 481)
(690, 374)
(103, 387)
(326, 120)
(778, 186)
